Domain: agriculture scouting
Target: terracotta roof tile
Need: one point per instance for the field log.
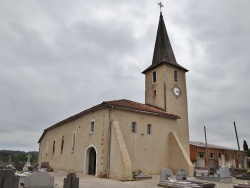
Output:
(139, 107)
(122, 104)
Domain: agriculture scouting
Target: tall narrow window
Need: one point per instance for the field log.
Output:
(219, 155)
(149, 128)
(211, 155)
(73, 142)
(154, 93)
(200, 154)
(54, 145)
(154, 77)
(92, 126)
(62, 143)
(133, 127)
(175, 76)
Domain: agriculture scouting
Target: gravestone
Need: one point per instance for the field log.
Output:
(165, 174)
(27, 164)
(181, 175)
(224, 172)
(71, 181)
(44, 164)
(201, 172)
(8, 179)
(39, 180)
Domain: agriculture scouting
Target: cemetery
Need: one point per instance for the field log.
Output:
(46, 177)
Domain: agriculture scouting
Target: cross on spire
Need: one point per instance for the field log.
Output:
(161, 5)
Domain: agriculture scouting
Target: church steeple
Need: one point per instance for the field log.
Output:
(165, 83)
(163, 52)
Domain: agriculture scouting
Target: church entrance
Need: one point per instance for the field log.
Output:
(90, 161)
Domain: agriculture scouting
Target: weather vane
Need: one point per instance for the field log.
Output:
(161, 5)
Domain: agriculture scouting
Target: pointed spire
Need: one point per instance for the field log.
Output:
(163, 52)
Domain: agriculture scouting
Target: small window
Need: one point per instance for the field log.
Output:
(73, 142)
(133, 127)
(219, 155)
(149, 128)
(62, 144)
(175, 76)
(54, 145)
(211, 155)
(92, 126)
(154, 77)
(200, 154)
(154, 93)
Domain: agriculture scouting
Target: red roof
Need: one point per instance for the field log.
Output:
(131, 105)
(122, 104)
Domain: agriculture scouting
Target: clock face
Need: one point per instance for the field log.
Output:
(177, 91)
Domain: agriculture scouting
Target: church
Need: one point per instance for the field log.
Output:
(115, 138)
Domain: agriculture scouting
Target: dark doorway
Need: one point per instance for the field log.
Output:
(92, 161)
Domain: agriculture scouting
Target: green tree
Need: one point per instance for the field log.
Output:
(245, 146)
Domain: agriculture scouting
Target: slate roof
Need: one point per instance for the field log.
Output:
(214, 146)
(122, 104)
(163, 52)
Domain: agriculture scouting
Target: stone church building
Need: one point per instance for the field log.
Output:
(117, 137)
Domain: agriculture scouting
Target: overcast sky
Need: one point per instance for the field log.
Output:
(60, 57)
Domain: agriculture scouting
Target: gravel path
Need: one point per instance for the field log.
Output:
(94, 182)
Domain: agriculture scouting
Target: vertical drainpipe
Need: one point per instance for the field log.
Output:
(109, 143)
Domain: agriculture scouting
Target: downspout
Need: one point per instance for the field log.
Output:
(109, 143)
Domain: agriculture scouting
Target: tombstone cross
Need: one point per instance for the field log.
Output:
(161, 5)
(10, 159)
(29, 156)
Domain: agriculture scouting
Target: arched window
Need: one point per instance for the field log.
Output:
(54, 145)
(62, 143)
(73, 142)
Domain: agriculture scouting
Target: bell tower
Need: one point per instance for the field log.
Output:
(165, 83)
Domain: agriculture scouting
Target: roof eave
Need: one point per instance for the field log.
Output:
(102, 105)
(170, 116)
(154, 66)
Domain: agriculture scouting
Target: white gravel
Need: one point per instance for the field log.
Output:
(95, 182)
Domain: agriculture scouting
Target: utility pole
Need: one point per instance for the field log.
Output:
(240, 154)
(206, 149)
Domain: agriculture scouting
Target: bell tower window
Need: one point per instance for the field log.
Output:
(175, 76)
(154, 77)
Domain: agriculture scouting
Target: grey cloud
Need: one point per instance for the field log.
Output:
(61, 57)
